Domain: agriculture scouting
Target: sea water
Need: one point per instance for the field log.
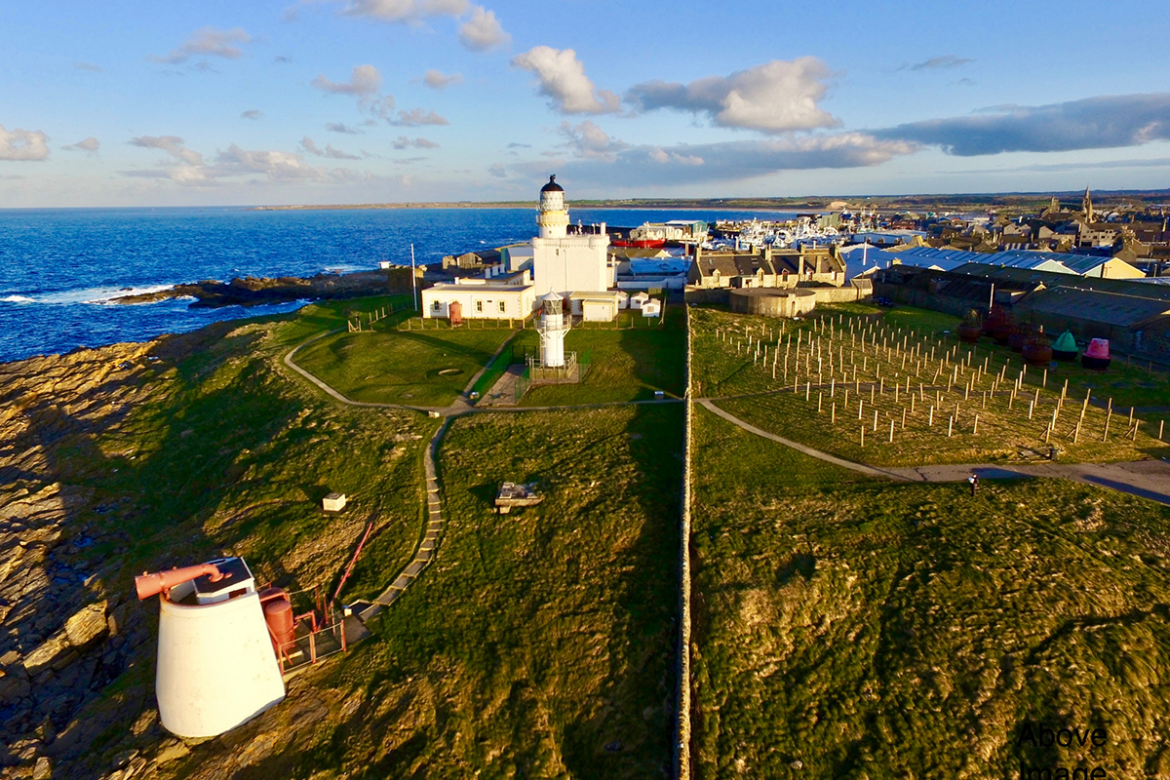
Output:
(60, 269)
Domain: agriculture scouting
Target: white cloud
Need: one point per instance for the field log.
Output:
(402, 142)
(480, 30)
(253, 114)
(364, 83)
(26, 145)
(171, 144)
(336, 154)
(90, 145)
(777, 97)
(416, 117)
(208, 42)
(483, 31)
(588, 140)
(405, 11)
(561, 77)
(274, 165)
(498, 170)
(79, 65)
(338, 127)
(438, 80)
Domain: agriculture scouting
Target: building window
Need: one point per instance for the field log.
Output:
(503, 307)
(437, 306)
(479, 307)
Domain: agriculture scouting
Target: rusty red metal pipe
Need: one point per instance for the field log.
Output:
(149, 585)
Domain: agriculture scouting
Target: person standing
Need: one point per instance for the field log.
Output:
(973, 480)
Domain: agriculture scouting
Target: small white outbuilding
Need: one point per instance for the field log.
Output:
(334, 502)
(652, 308)
(637, 300)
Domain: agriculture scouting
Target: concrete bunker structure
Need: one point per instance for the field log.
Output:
(773, 301)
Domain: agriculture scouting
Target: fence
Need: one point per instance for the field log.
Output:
(354, 324)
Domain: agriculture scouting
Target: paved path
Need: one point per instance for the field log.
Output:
(428, 547)
(707, 404)
(1146, 478)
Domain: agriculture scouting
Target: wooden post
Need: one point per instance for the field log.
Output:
(863, 436)
(950, 426)
(930, 421)
(860, 407)
(891, 431)
(1045, 382)
(1108, 417)
(875, 420)
(1137, 424)
(975, 430)
(820, 401)
(833, 413)
(807, 390)
(1161, 424)
(903, 418)
(1031, 405)
(846, 406)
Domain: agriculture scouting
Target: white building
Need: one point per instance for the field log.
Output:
(497, 298)
(564, 263)
(574, 265)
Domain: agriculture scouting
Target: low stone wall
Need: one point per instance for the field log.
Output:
(707, 295)
(682, 755)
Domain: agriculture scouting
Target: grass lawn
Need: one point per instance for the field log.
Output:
(871, 629)
(832, 363)
(539, 643)
(627, 364)
(418, 368)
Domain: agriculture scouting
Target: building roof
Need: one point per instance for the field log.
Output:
(1125, 311)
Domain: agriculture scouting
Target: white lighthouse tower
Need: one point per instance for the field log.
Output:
(553, 217)
(553, 327)
(567, 262)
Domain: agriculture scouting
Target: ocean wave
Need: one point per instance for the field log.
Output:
(16, 299)
(89, 295)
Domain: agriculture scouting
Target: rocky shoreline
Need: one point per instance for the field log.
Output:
(254, 291)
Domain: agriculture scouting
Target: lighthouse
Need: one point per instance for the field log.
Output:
(553, 218)
(553, 327)
(563, 261)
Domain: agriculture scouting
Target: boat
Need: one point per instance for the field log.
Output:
(639, 243)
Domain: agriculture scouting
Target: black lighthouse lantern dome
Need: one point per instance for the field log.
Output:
(552, 185)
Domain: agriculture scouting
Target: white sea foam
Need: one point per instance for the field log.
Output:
(92, 295)
(16, 299)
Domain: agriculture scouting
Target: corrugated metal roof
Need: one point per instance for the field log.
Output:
(1098, 306)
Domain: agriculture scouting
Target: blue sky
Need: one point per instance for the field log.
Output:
(356, 101)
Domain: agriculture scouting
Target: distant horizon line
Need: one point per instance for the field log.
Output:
(727, 203)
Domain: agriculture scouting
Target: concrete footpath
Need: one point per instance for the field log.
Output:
(1146, 478)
